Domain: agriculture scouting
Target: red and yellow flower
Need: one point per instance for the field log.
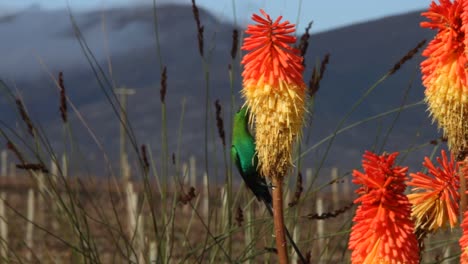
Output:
(383, 231)
(274, 91)
(434, 195)
(445, 70)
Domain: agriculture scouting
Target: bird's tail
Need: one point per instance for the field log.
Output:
(288, 235)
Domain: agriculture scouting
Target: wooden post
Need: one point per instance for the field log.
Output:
(296, 235)
(206, 196)
(29, 225)
(347, 195)
(185, 182)
(126, 171)
(3, 217)
(131, 209)
(347, 189)
(55, 206)
(320, 229)
(123, 94)
(4, 163)
(132, 216)
(152, 252)
(308, 179)
(3, 228)
(42, 192)
(193, 171)
(53, 170)
(224, 207)
(447, 254)
(64, 165)
(140, 234)
(185, 173)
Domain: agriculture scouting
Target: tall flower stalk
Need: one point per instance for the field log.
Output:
(383, 231)
(275, 93)
(445, 75)
(464, 225)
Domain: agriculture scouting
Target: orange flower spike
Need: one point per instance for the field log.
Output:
(445, 72)
(271, 56)
(274, 91)
(383, 231)
(435, 195)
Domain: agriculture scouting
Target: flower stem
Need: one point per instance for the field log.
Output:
(463, 185)
(278, 220)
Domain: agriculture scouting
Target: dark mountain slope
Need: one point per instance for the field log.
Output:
(360, 55)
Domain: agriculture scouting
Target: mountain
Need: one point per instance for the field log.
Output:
(360, 55)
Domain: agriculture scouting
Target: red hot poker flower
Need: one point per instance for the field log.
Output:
(383, 231)
(274, 91)
(435, 195)
(444, 70)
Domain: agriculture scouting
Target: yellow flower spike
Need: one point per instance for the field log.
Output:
(274, 91)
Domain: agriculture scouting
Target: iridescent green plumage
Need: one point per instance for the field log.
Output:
(243, 154)
(245, 157)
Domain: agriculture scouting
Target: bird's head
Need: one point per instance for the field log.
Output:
(242, 114)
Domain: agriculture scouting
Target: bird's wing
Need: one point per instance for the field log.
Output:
(235, 157)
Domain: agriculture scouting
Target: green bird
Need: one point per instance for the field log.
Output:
(245, 157)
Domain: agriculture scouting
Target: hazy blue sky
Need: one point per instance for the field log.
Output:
(325, 14)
